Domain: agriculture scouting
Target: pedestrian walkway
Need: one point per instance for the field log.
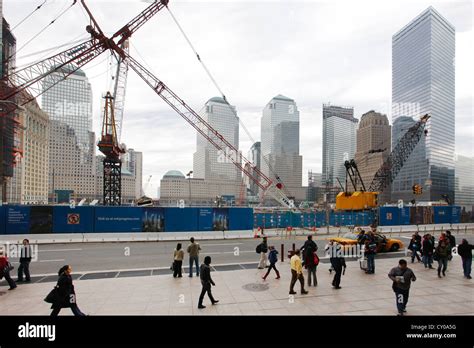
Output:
(243, 292)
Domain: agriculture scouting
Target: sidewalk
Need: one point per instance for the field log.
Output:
(243, 292)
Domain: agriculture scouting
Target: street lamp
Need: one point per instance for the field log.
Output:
(189, 181)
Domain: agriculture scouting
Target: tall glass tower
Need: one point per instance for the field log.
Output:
(423, 82)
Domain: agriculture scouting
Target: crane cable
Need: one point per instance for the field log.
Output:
(42, 30)
(28, 16)
(222, 93)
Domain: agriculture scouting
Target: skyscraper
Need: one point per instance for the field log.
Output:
(133, 162)
(208, 162)
(423, 82)
(70, 102)
(464, 182)
(339, 142)
(281, 143)
(373, 148)
(254, 157)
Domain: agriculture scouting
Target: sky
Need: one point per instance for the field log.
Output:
(315, 52)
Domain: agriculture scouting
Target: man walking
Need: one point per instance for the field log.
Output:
(402, 276)
(336, 257)
(25, 259)
(273, 258)
(465, 251)
(262, 248)
(206, 282)
(296, 273)
(193, 251)
(452, 244)
(370, 249)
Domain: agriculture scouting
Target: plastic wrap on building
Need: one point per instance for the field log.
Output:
(17, 219)
(118, 219)
(240, 219)
(73, 220)
(181, 219)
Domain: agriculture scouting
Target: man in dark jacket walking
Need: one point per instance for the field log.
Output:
(336, 257)
(452, 244)
(465, 251)
(206, 282)
(427, 251)
(25, 259)
(66, 295)
(402, 276)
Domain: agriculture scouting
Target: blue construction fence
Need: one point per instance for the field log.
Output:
(383, 216)
(23, 219)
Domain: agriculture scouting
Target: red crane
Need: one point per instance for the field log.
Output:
(85, 52)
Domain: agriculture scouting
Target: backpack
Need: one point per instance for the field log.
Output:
(258, 249)
(316, 259)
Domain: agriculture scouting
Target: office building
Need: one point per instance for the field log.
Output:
(373, 148)
(464, 183)
(423, 75)
(280, 158)
(339, 144)
(254, 156)
(208, 162)
(132, 161)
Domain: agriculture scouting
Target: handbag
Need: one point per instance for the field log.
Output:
(53, 295)
(172, 266)
(316, 259)
(8, 267)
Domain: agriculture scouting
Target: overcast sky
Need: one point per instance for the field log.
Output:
(312, 51)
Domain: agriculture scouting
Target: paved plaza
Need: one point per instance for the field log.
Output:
(243, 292)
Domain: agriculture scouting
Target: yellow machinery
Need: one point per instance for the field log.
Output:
(362, 199)
(356, 200)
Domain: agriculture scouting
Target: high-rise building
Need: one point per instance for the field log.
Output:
(316, 187)
(464, 182)
(373, 148)
(70, 101)
(132, 161)
(254, 157)
(66, 173)
(423, 82)
(208, 162)
(339, 144)
(280, 158)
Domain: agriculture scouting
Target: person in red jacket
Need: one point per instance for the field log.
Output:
(5, 271)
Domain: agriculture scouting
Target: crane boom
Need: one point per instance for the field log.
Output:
(397, 158)
(209, 133)
(120, 87)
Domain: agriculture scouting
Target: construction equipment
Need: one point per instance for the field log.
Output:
(108, 145)
(31, 76)
(362, 199)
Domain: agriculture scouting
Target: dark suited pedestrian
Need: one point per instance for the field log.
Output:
(5, 268)
(25, 260)
(66, 295)
(206, 282)
(465, 251)
(273, 259)
(402, 276)
(338, 262)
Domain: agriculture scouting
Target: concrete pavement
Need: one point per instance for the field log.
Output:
(243, 292)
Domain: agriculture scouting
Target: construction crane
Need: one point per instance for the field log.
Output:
(31, 76)
(112, 164)
(361, 199)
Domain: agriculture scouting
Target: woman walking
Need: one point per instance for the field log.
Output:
(5, 268)
(178, 257)
(66, 296)
(414, 247)
(273, 259)
(427, 251)
(441, 255)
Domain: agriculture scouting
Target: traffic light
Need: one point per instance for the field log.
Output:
(417, 189)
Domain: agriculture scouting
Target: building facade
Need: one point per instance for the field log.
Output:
(464, 183)
(208, 162)
(339, 144)
(176, 189)
(423, 81)
(373, 148)
(254, 156)
(132, 161)
(280, 144)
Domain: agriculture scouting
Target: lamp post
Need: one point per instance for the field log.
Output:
(189, 181)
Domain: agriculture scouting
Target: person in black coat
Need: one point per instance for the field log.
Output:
(25, 259)
(414, 246)
(427, 251)
(66, 296)
(338, 262)
(452, 244)
(465, 251)
(206, 282)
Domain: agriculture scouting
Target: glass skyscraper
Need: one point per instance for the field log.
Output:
(423, 82)
(339, 143)
(280, 145)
